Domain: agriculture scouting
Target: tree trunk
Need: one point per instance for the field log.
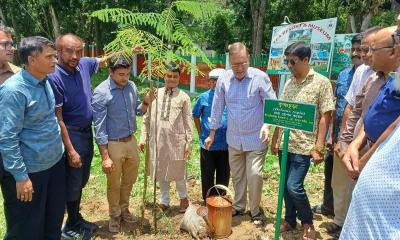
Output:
(348, 25)
(257, 8)
(353, 24)
(54, 21)
(396, 6)
(366, 21)
(2, 17)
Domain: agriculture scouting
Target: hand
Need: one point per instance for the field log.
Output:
(149, 97)
(264, 134)
(317, 157)
(108, 165)
(141, 146)
(208, 142)
(338, 151)
(24, 190)
(330, 145)
(274, 147)
(350, 161)
(74, 159)
(188, 151)
(138, 49)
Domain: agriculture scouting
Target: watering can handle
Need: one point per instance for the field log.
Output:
(220, 186)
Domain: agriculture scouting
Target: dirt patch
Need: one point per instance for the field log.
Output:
(96, 210)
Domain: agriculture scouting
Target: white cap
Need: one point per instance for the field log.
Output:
(216, 73)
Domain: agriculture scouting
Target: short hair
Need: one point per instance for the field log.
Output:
(236, 47)
(6, 30)
(118, 62)
(357, 38)
(299, 49)
(59, 39)
(173, 67)
(371, 30)
(31, 46)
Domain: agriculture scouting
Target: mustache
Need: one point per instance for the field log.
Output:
(358, 57)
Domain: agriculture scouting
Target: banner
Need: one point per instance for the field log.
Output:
(341, 54)
(318, 34)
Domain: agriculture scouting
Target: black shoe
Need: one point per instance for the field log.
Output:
(88, 225)
(237, 212)
(320, 209)
(258, 220)
(76, 232)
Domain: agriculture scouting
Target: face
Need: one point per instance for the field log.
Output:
(212, 82)
(6, 47)
(296, 66)
(120, 76)
(171, 79)
(366, 56)
(356, 54)
(44, 62)
(382, 52)
(70, 51)
(240, 63)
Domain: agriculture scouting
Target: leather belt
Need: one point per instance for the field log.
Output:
(79, 129)
(124, 139)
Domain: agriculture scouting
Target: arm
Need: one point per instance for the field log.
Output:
(11, 125)
(216, 112)
(365, 158)
(74, 159)
(323, 126)
(330, 143)
(197, 123)
(187, 122)
(107, 163)
(197, 112)
(274, 147)
(144, 130)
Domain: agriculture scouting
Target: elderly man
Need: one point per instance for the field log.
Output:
(31, 146)
(342, 86)
(243, 90)
(305, 86)
(385, 108)
(213, 162)
(115, 106)
(72, 91)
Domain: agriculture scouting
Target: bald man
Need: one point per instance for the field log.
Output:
(72, 91)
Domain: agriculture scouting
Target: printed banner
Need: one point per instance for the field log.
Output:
(341, 54)
(318, 34)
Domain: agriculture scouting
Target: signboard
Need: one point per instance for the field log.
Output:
(341, 54)
(292, 115)
(318, 34)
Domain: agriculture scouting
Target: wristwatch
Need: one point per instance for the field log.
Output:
(320, 150)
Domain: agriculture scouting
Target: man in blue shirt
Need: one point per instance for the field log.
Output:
(342, 86)
(243, 90)
(31, 146)
(216, 160)
(115, 106)
(72, 91)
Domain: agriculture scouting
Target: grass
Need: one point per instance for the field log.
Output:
(96, 187)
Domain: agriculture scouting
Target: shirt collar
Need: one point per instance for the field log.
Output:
(31, 79)
(65, 71)
(112, 83)
(310, 76)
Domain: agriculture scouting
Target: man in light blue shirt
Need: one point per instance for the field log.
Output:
(115, 106)
(31, 146)
(243, 90)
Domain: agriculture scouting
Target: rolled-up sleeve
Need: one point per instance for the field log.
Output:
(218, 105)
(266, 89)
(99, 104)
(11, 124)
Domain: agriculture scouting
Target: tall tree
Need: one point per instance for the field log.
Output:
(257, 8)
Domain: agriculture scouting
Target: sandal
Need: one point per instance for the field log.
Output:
(309, 232)
(333, 228)
(285, 227)
(320, 209)
(237, 212)
(258, 220)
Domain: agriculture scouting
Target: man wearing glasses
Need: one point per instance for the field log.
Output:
(72, 91)
(305, 86)
(243, 90)
(6, 54)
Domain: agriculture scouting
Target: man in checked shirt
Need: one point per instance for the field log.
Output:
(243, 90)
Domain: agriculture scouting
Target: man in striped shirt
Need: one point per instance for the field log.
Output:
(243, 90)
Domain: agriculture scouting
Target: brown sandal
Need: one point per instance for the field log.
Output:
(333, 228)
(309, 232)
(285, 227)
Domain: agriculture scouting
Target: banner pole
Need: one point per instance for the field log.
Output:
(283, 164)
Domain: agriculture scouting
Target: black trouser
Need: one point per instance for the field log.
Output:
(214, 163)
(327, 203)
(42, 217)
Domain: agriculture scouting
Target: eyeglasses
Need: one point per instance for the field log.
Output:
(291, 61)
(7, 45)
(372, 49)
(239, 65)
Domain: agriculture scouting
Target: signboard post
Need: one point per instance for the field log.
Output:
(287, 115)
